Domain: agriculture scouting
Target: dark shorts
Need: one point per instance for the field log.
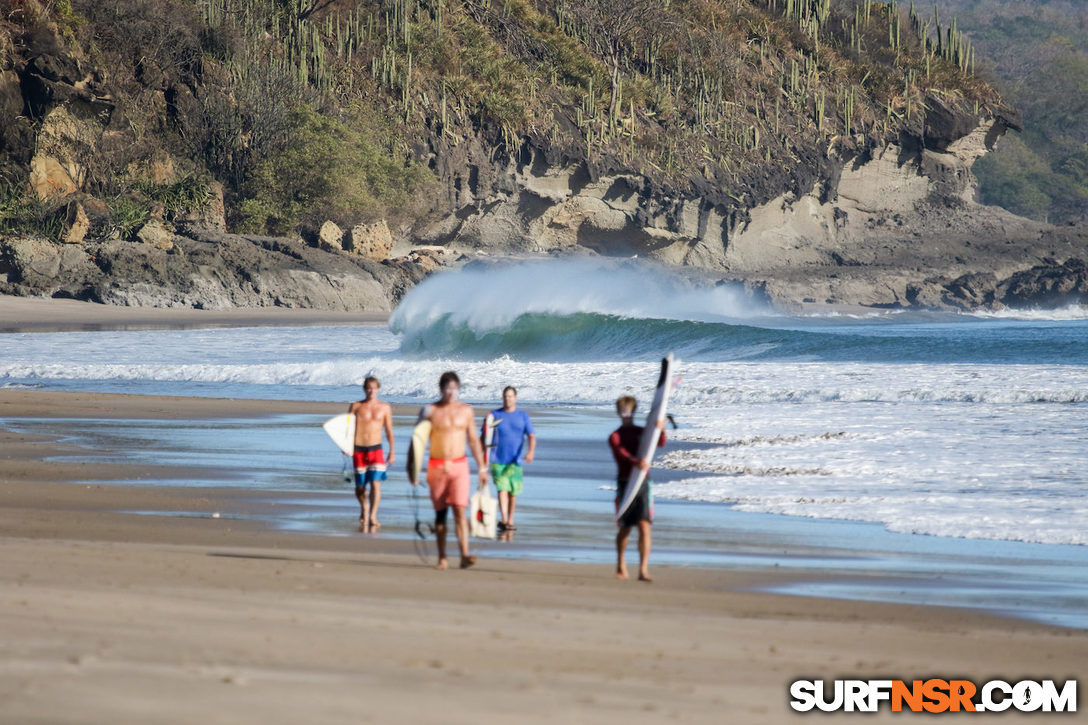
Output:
(369, 463)
(641, 509)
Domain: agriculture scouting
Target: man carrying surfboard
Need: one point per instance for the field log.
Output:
(452, 425)
(624, 441)
(510, 428)
(372, 416)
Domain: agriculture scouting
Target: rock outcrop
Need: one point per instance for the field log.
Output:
(1049, 284)
(887, 225)
(373, 241)
(211, 271)
(211, 216)
(77, 224)
(884, 218)
(330, 237)
(157, 235)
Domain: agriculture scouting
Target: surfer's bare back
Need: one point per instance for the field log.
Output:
(453, 424)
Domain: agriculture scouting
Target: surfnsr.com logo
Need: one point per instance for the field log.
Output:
(933, 696)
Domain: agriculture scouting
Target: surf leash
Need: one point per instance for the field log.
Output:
(668, 416)
(422, 528)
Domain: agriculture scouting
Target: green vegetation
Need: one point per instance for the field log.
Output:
(127, 215)
(314, 109)
(1036, 54)
(21, 213)
(330, 170)
(184, 195)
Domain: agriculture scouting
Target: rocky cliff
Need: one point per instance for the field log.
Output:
(123, 166)
(892, 225)
(207, 270)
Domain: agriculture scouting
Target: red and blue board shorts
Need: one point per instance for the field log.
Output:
(369, 464)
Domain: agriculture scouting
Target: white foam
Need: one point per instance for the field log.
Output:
(975, 470)
(1070, 312)
(704, 385)
(492, 298)
(987, 451)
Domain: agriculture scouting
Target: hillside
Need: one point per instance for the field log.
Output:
(1036, 53)
(763, 140)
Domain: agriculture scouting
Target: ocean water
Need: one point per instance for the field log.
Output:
(964, 426)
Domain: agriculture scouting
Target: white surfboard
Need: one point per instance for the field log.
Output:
(342, 431)
(647, 444)
(421, 435)
(489, 437)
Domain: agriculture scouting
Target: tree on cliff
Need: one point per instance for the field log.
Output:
(1037, 55)
(610, 26)
(306, 110)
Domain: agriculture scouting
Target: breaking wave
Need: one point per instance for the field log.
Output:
(601, 310)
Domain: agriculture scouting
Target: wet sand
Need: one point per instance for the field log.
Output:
(115, 617)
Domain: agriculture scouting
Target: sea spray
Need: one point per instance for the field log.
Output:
(566, 310)
(488, 297)
(603, 310)
(954, 443)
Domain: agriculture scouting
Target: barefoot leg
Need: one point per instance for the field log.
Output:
(644, 541)
(621, 547)
(440, 537)
(375, 499)
(460, 520)
(364, 507)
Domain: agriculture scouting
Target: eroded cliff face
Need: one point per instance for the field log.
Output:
(858, 220)
(889, 225)
(208, 270)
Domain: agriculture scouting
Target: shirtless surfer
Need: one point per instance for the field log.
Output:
(372, 416)
(452, 425)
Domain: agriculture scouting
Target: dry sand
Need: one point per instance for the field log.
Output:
(34, 314)
(109, 617)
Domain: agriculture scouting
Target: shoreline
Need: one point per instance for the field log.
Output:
(40, 314)
(175, 603)
(24, 403)
(120, 440)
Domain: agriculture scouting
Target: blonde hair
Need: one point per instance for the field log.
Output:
(626, 405)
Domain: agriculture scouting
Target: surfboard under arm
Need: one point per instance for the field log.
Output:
(341, 429)
(488, 437)
(417, 450)
(647, 444)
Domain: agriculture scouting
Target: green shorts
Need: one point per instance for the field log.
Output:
(507, 477)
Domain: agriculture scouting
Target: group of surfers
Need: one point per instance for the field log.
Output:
(453, 428)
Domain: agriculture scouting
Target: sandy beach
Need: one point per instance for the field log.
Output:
(37, 314)
(112, 616)
(175, 602)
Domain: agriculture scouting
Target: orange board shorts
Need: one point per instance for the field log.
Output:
(448, 481)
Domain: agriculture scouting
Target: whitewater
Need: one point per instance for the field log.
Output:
(969, 426)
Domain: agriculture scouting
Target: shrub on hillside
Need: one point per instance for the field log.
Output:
(330, 170)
